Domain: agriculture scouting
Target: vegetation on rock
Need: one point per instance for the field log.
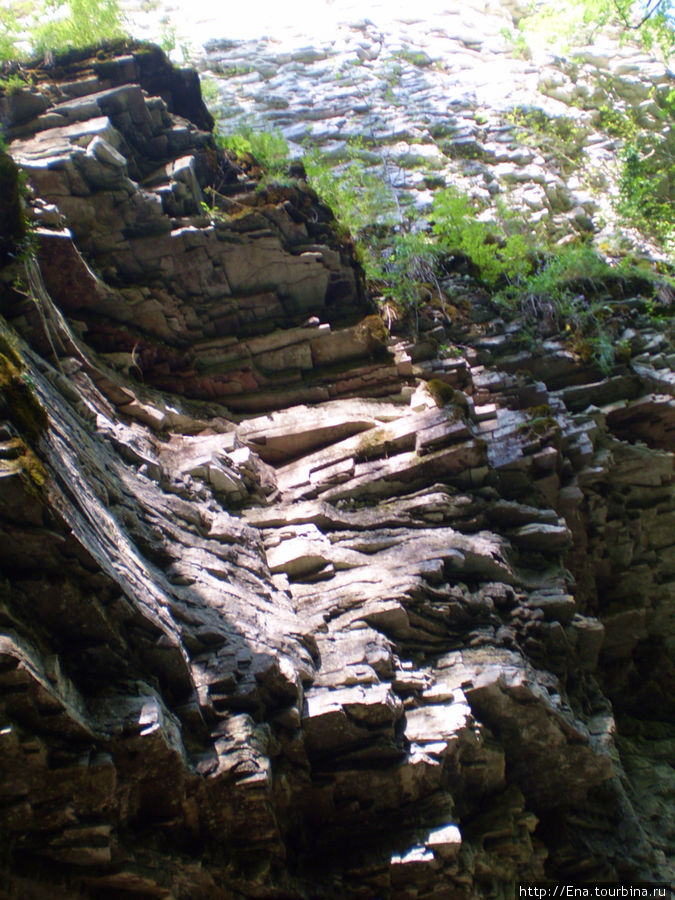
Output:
(555, 287)
(21, 408)
(12, 221)
(56, 26)
(579, 21)
(234, 691)
(268, 149)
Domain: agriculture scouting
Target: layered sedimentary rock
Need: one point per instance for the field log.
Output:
(290, 608)
(185, 293)
(442, 94)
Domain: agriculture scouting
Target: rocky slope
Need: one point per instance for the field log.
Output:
(291, 608)
(439, 94)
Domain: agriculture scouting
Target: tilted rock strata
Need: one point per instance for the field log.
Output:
(363, 647)
(188, 297)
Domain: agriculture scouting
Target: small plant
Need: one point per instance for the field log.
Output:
(12, 84)
(210, 94)
(167, 39)
(359, 197)
(405, 271)
(212, 210)
(268, 149)
(450, 351)
(234, 71)
(616, 122)
(78, 23)
(624, 351)
(604, 351)
(9, 28)
(559, 136)
(497, 255)
(392, 74)
(414, 57)
(517, 43)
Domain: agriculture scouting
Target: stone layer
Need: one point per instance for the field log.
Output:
(365, 638)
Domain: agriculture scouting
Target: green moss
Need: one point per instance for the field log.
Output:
(445, 395)
(33, 470)
(12, 220)
(23, 409)
(20, 406)
(544, 424)
(540, 412)
(374, 334)
(541, 421)
(373, 443)
(7, 350)
(624, 351)
(580, 346)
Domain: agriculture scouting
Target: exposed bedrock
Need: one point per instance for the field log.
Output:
(289, 608)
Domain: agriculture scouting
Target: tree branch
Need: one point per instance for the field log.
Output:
(652, 8)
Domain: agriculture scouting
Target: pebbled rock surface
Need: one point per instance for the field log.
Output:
(436, 94)
(275, 620)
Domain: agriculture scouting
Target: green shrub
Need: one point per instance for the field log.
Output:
(496, 254)
(12, 84)
(8, 34)
(403, 268)
(268, 148)
(647, 185)
(557, 285)
(517, 43)
(78, 23)
(359, 197)
(568, 292)
(647, 175)
(577, 22)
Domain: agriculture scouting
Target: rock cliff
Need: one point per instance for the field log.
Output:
(443, 93)
(291, 608)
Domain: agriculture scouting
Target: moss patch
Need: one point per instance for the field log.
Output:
(34, 473)
(372, 332)
(445, 395)
(8, 351)
(21, 406)
(373, 443)
(12, 221)
(541, 422)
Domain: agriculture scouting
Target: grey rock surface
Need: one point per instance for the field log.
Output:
(273, 622)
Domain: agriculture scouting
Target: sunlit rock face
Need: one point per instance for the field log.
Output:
(434, 94)
(290, 608)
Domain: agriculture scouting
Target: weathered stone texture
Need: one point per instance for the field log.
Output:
(356, 644)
